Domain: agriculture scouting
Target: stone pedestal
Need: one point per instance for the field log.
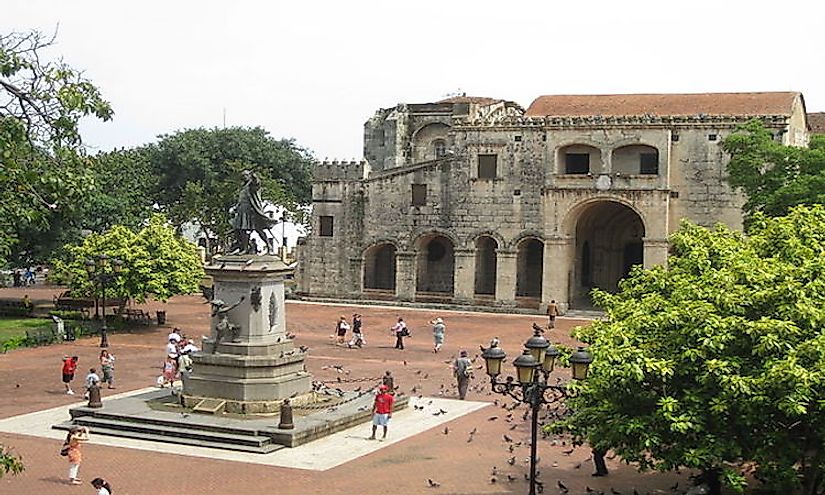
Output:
(259, 363)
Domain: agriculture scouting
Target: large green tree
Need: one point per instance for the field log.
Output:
(718, 358)
(43, 167)
(775, 177)
(199, 173)
(157, 262)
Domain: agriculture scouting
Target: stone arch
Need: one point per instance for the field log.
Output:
(525, 234)
(486, 264)
(421, 234)
(424, 139)
(635, 159)
(608, 242)
(435, 263)
(568, 224)
(529, 266)
(579, 158)
(379, 266)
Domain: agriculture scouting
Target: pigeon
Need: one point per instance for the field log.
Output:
(433, 484)
(511, 478)
(446, 430)
(567, 452)
(493, 480)
(469, 439)
(562, 487)
(492, 418)
(511, 461)
(473, 431)
(614, 491)
(508, 439)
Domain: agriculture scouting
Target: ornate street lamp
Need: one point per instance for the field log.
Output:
(103, 271)
(533, 387)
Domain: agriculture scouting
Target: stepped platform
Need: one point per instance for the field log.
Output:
(157, 416)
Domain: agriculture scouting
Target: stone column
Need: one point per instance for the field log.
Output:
(405, 275)
(464, 278)
(506, 273)
(355, 287)
(559, 260)
(655, 252)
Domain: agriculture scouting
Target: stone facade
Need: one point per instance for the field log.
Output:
(479, 201)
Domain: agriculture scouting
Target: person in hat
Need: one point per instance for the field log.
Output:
(438, 333)
(382, 410)
(462, 369)
(341, 330)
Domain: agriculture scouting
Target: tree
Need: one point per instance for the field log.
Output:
(43, 167)
(775, 177)
(199, 173)
(156, 262)
(718, 358)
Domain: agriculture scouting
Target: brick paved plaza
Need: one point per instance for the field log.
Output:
(31, 382)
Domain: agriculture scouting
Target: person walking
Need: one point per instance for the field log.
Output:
(400, 331)
(71, 449)
(552, 312)
(102, 486)
(170, 369)
(381, 411)
(341, 330)
(357, 332)
(462, 369)
(107, 367)
(69, 369)
(438, 333)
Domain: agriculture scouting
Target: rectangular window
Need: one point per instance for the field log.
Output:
(487, 165)
(711, 137)
(577, 163)
(419, 194)
(326, 226)
(648, 164)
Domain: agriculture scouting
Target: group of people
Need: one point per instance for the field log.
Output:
(93, 379)
(342, 327)
(71, 449)
(22, 278)
(178, 352)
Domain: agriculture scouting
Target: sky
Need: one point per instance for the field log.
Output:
(316, 71)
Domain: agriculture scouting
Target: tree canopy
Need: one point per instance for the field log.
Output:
(43, 167)
(156, 262)
(775, 177)
(199, 173)
(718, 358)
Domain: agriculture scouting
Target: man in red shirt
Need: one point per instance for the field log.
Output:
(382, 410)
(69, 368)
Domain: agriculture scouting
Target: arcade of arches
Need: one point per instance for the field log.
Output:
(605, 241)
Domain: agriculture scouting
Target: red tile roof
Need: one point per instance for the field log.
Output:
(816, 122)
(777, 103)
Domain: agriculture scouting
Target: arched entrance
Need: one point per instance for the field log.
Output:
(608, 244)
(485, 281)
(530, 266)
(379, 267)
(435, 267)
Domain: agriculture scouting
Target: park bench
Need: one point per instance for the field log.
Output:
(64, 302)
(15, 307)
(137, 315)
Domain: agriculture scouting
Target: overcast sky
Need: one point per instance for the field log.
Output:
(315, 71)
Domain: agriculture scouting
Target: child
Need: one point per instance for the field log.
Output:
(357, 335)
(69, 368)
(92, 380)
(102, 486)
(170, 369)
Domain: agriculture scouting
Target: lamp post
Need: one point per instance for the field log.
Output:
(534, 388)
(103, 271)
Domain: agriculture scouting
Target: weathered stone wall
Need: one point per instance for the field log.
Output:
(531, 197)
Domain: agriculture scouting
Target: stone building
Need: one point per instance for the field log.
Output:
(478, 201)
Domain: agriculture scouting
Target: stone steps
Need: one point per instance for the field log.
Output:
(195, 434)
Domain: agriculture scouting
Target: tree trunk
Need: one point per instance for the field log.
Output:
(712, 478)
